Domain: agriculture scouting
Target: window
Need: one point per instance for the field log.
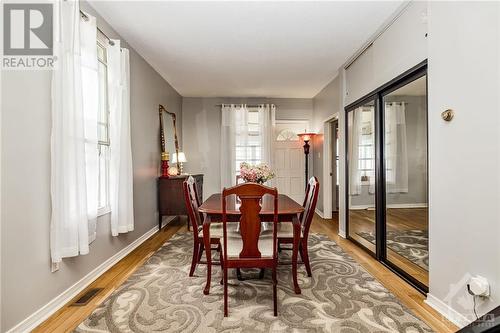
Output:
(248, 138)
(103, 130)
(366, 160)
(287, 135)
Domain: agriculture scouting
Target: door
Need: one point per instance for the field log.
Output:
(288, 159)
(387, 175)
(361, 201)
(404, 137)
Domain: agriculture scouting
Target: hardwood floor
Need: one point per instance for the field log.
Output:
(68, 317)
(398, 219)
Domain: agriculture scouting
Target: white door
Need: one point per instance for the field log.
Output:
(288, 159)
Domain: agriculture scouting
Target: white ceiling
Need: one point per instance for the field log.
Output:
(246, 49)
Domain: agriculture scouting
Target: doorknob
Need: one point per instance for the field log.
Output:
(331, 173)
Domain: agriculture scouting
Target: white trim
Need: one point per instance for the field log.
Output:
(447, 311)
(292, 121)
(407, 205)
(342, 234)
(320, 213)
(387, 23)
(59, 301)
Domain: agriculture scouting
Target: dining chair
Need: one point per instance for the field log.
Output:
(285, 230)
(250, 248)
(215, 230)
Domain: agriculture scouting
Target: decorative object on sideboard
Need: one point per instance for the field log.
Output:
(181, 160)
(169, 143)
(164, 165)
(306, 137)
(173, 171)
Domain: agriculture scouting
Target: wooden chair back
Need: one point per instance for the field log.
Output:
(192, 205)
(309, 205)
(250, 195)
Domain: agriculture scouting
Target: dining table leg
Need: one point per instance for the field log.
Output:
(295, 251)
(208, 254)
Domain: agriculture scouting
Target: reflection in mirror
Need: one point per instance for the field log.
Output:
(361, 173)
(168, 134)
(405, 158)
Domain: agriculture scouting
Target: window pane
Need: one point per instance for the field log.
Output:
(103, 176)
(103, 114)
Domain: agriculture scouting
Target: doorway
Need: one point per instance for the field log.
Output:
(334, 174)
(387, 175)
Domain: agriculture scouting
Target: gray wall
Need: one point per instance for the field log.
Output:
(27, 283)
(201, 125)
(416, 145)
(464, 154)
(326, 103)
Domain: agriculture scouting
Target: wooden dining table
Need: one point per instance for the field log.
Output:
(288, 212)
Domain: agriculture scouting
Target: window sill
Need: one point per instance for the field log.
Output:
(103, 211)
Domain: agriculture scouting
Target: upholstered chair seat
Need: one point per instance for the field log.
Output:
(235, 245)
(216, 230)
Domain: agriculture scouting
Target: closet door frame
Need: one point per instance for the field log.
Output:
(377, 96)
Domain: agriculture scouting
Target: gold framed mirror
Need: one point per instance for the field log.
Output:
(168, 135)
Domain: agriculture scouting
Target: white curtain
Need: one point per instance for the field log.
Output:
(121, 174)
(73, 135)
(267, 122)
(355, 130)
(237, 144)
(232, 116)
(90, 92)
(396, 156)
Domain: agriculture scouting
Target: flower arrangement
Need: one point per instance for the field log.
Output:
(260, 173)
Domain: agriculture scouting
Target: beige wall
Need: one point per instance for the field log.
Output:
(201, 128)
(27, 283)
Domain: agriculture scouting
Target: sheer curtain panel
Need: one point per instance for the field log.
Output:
(73, 136)
(121, 172)
(396, 155)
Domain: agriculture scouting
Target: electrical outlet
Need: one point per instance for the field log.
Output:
(478, 286)
(54, 267)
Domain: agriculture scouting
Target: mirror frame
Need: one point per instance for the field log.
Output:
(161, 110)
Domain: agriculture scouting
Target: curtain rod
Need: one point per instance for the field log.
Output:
(86, 18)
(248, 105)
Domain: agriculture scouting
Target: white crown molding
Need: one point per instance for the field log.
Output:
(62, 299)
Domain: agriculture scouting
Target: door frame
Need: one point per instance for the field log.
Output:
(380, 194)
(327, 164)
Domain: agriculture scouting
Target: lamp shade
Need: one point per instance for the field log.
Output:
(182, 157)
(306, 137)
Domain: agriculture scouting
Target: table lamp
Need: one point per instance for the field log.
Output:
(181, 159)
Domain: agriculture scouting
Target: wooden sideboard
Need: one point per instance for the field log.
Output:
(171, 197)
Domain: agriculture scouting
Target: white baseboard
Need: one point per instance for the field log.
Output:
(406, 205)
(320, 213)
(342, 234)
(59, 301)
(449, 313)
